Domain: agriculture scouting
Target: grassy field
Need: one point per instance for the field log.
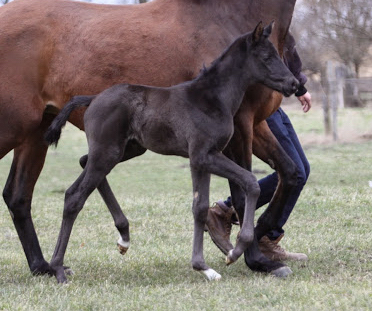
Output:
(331, 223)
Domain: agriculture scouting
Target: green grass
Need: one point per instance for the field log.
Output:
(331, 223)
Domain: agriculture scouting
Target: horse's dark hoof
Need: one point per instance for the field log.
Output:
(68, 271)
(41, 269)
(60, 274)
(282, 272)
(61, 278)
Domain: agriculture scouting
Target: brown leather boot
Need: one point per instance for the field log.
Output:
(272, 250)
(219, 225)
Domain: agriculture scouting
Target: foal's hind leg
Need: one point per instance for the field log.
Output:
(132, 149)
(100, 163)
(121, 222)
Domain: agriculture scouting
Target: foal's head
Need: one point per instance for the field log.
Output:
(264, 63)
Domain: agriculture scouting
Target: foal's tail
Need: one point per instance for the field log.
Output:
(53, 133)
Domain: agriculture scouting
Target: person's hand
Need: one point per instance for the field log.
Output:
(305, 101)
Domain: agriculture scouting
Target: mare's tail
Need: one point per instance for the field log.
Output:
(53, 133)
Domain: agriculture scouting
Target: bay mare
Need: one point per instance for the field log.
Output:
(192, 119)
(51, 50)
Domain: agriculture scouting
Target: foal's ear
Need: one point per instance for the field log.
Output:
(267, 31)
(257, 32)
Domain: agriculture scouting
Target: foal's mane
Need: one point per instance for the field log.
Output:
(212, 69)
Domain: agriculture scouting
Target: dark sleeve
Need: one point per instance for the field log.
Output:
(294, 64)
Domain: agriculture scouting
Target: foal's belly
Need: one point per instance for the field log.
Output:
(163, 139)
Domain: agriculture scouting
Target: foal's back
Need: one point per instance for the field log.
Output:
(160, 119)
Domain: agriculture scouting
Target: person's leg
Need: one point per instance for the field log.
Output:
(284, 132)
(286, 135)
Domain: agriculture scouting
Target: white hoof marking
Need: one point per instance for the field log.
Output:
(211, 275)
(123, 246)
(122, 243)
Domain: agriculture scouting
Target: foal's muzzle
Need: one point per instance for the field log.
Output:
(290, 87)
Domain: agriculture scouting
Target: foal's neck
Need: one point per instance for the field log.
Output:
(226, 81)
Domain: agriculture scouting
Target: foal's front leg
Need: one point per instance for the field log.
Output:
(218, 164)
(222, 166)
(241, 155)
(201, 182)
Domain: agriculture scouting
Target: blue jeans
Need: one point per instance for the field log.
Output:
(282, 128)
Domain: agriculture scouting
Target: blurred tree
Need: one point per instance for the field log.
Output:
(334, 30)
(343, 27)
(308, 42)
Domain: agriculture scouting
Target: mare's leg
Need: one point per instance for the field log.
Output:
(28, 162)
(268, 149)
(102, 158)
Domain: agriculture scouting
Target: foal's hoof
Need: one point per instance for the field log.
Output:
(60, 275)
(230, 258)
(123, 246)
(210, 275)
(68, 271)
(122, 250)
(282, 272)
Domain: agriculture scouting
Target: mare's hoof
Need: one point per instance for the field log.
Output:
(210, 275)
(230, 258)
(282, 272)
(123, 246)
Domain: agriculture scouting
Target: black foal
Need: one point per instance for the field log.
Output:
(193, 119)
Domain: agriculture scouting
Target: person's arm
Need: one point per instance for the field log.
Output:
(294, 64)
(305, 101)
